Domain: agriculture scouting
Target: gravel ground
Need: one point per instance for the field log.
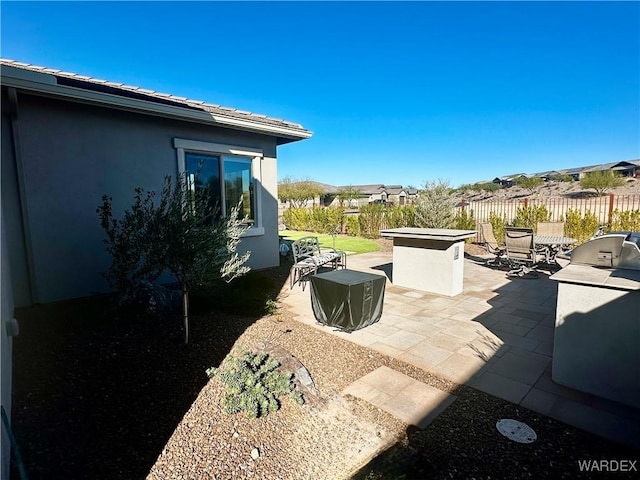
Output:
(96, 398)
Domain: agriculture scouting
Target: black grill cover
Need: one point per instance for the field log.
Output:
(347, 299)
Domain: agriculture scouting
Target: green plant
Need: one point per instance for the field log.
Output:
(270, 306)
(498, 224)
(580, 227)
(529, 216)
(601, 181)
(352, 224)
(399, 216)
(625, 220)
(254, 384)
(464, 220)
(488, 187)
(529, 183)
(370, 219)
(434, 205)
(299, 192)
(182, 234)
(348, 194)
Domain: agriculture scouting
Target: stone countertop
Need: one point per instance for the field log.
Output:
(448, 234)
(618, 278)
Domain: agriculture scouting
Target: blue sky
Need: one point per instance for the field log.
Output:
(395, 93)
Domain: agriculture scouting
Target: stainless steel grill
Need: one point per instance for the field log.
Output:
(613, 250)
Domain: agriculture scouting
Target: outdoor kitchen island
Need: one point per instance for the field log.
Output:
(428, 259)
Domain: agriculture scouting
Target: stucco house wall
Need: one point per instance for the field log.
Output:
(72, 154)
(61, 154)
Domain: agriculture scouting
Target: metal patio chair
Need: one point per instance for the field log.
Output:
(522, 254)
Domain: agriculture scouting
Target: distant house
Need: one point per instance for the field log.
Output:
(67, 139)
(629, 168)
(378, 194)
(508, 180)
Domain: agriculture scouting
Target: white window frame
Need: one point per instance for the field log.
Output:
(183, 145)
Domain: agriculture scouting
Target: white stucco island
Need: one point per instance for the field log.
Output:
(428, 259)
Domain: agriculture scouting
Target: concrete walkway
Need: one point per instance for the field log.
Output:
(497, 336)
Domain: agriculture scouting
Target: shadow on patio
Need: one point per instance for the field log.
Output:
(495, 338)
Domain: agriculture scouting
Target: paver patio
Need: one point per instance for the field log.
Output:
(497, 337)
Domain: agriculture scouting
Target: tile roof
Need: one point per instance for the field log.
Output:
(103, 86)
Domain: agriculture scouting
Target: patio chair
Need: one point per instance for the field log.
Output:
(521, 251)
(552, 229)
(491, 245)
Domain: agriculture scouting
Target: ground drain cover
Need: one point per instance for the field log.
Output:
(516, 431)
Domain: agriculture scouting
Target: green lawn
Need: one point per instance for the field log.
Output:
(353, 245)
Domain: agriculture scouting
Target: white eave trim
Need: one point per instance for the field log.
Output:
(149, 107)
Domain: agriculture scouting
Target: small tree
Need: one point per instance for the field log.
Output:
(183, 234)
(298, 193)
(434, 205)
(347, 194)
(529, 183)
(601, 181)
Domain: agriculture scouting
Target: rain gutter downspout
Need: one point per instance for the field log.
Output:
(24, 211)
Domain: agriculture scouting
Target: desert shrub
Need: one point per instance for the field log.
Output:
(580, 227)
(434, 205)
(254, 384)
(401, 216)
(529, 183)
(488, 187)
(498, 224)
(625, 220)
(352, 224)
(370, 220)
(529, 216)
(561, 178)
(465, 220)
(601, 181)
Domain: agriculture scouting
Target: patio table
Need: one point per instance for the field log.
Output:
(552, 245)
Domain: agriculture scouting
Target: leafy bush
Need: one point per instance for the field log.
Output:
(498, 224)
(529, 217)
(352, 224)
(434, 205)
(465, 220)
(370, 220)
(296, 218)
(316, 219)
(625, 220)
(397, 217)
(579, 227)
(254, 384)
